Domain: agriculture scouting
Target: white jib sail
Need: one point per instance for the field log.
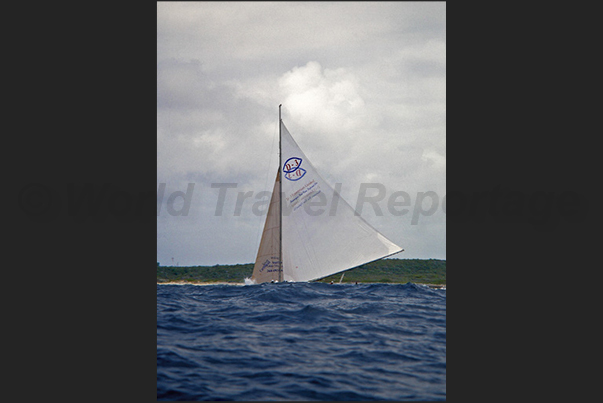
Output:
(319, 240)
(267, 263)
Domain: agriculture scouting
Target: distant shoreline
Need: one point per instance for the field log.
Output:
(197, 283)
(436, 286)
(391, 271)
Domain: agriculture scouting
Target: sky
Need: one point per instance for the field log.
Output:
(363, 93)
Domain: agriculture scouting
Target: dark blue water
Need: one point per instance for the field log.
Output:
(301, 341)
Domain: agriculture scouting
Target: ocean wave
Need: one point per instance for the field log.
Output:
(301, 341)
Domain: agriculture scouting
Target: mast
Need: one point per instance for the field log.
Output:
(280, 199)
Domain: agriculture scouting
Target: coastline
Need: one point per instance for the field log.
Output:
(181, 282)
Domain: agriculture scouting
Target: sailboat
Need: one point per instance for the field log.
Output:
(304, 239)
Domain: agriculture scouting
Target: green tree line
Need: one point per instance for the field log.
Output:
(426, 271)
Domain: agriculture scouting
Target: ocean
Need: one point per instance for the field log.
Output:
(301, 341)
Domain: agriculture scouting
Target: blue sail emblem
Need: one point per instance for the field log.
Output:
(292, 169)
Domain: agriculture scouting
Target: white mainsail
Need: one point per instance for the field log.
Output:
(321, 233)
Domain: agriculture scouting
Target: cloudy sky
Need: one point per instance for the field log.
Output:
(363, 89)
